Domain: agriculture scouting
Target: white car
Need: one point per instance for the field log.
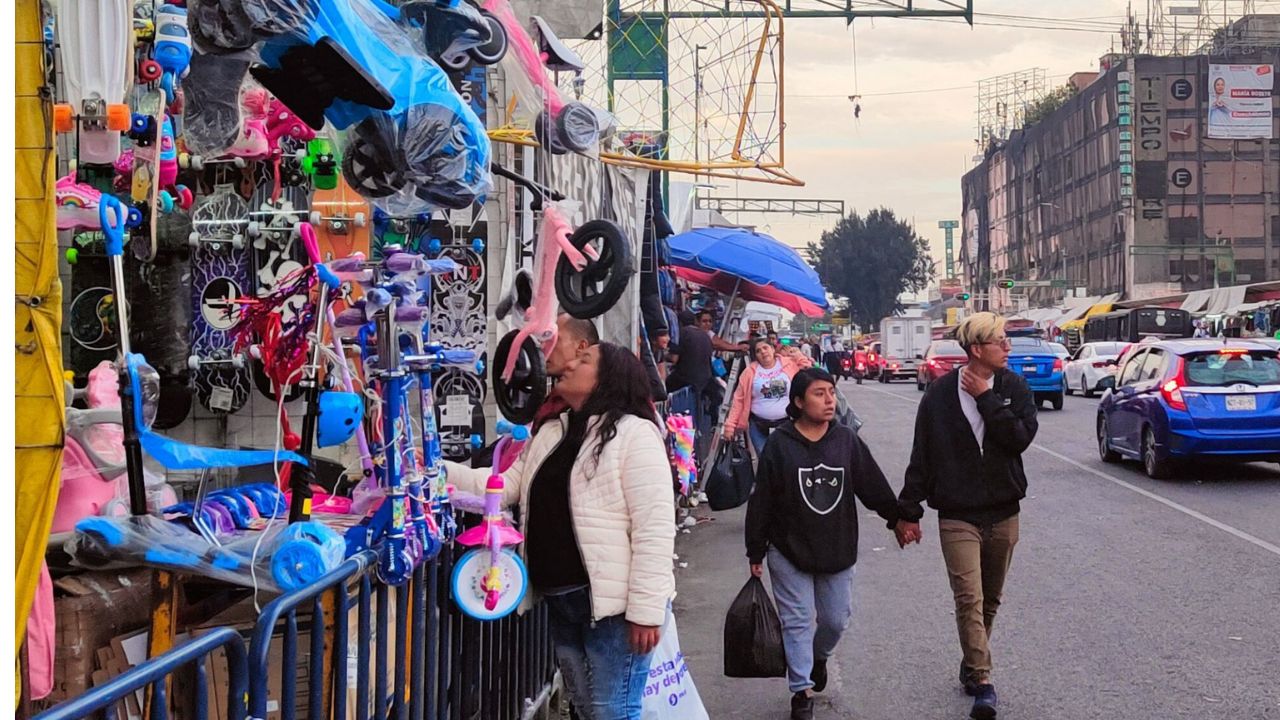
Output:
(1093, 367)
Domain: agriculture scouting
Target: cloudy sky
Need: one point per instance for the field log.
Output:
(908, 151)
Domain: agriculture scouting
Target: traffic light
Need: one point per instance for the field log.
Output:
(1005, 284)
(963, 297)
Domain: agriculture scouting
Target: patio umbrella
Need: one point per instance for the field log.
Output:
(727, 284)
(753, 257)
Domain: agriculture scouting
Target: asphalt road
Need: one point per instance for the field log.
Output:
(1127, 598)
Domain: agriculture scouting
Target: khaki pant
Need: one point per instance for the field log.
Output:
(977, 562)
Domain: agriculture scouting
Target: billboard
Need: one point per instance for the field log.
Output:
(1240, 101)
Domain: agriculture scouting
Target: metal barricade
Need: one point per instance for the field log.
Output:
(155, 674)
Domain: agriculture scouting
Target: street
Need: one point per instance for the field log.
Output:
(1127, 598)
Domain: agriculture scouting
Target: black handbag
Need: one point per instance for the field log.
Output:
(731, 478)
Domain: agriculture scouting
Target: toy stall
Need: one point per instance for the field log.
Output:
(277, 261)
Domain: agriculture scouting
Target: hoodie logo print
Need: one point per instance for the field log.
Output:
(821, 487)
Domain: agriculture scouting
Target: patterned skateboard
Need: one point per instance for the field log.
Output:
(160, 317)
(91, 313)
(342, 219)
(220, 275)
(276, 249)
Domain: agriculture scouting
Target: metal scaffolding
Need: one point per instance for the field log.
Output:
(1003, 102)
(784, 206)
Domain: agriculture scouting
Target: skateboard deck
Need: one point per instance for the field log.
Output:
(343, 220)
(219, 276)
(160, 317)
(276, 252)
(91, 312)
(97, 68)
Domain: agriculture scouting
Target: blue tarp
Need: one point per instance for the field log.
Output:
(749, 255)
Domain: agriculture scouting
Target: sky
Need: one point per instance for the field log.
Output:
(907, 152)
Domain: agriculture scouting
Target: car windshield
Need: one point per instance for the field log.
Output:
(1216, 369)
(1028, 344)
(948, 348)
(1108, 348)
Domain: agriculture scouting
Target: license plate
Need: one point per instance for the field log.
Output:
(1029, 368)
(1237, 403)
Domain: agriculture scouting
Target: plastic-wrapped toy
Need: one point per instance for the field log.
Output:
(682, 436)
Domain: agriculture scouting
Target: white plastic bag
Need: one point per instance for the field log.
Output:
(670, 693)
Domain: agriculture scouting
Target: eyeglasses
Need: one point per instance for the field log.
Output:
(1003, 342)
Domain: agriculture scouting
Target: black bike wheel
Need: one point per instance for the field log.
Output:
(601, 283)
(578, 127)
(519, 399)
(493, 49)
(544, 129)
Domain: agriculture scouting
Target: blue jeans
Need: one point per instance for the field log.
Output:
(814, 609)
(758, 436)
(605, 679)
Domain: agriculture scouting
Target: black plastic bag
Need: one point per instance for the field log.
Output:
(731, 477)
(753, 635)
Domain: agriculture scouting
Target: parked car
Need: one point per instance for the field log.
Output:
(1040, 365)
(1061, 351)
(1180, 399)
(1093, 368)
(941, 358)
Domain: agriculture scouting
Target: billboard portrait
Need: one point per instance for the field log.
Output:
(1240, 101)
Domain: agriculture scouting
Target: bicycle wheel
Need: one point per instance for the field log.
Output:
(469, 574)
(520, 398)
(601, 283)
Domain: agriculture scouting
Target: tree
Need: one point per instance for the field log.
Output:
(871, 261)
(1044, 107)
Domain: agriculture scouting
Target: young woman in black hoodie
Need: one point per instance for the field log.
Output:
(802, 516)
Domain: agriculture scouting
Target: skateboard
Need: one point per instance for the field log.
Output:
(219, 276)
(160, 319)
(276, 250)
(97, 68)
(342, 219)
(91, 312)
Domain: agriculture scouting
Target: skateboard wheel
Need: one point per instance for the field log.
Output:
(477, 245)
(193, 363)
(237, 241)
(149, 70)
(184, 160)
(477, 442)
(185, 198)
(435, 246)
(72, 256)
(360, 219)
(239, 162)
(254, 229)
(316, 217)
(166, 201)
(63, 119)
(193, 239)
(133, 218)
(237, 361)
(118, 117)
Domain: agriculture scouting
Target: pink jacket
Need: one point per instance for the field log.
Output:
(740, 410)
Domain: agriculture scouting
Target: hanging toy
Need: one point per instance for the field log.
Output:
(682, 435)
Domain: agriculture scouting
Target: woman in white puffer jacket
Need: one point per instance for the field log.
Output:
(595, 494)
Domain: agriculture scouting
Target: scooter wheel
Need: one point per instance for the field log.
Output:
(519, 399)
(545, 131)
(149, 70)
(598, 287)
(492, 50)
(578, 127)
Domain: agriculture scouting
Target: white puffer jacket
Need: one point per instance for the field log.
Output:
(622, 513)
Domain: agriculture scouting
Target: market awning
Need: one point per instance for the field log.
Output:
(754, 257)
(725, 283)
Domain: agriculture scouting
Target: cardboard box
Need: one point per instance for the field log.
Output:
(90, 609)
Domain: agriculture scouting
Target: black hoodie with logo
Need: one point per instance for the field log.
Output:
(803, 500)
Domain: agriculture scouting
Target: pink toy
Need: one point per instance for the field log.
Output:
(495, 533)
(682, 436)
(93, 453)
(77, 204)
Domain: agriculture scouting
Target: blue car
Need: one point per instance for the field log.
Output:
(1038, 362)
(1176, 400)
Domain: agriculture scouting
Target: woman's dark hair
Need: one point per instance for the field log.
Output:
(800, 384)
(757, 342)
(622, 388)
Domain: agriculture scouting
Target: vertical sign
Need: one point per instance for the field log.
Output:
(1151, 153)
(949, 227)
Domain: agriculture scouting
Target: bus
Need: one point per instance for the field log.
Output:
(1133, 324)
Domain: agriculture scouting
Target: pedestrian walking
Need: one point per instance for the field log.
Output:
(971, 430)
(803, 518)
(595, 497)
(760, 400)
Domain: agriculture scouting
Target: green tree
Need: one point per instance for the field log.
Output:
(1044, 107)
(870, 262)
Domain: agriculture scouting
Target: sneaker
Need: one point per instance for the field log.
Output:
(984, 702)
(967, 681)
(819, 675)
(802, 706)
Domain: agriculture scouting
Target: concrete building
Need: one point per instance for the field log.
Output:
(1122, 190)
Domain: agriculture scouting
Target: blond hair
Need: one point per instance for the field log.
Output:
(979, 328)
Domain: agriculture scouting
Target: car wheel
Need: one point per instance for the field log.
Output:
(1066, 386)
(1084, 387)
(1156, 468)
(919, 385)
(1104, 442)
(1056, 401)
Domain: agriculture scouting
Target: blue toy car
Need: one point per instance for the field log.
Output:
(1034, 359)
(1181, 399)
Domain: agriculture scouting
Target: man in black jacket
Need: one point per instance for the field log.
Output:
(802, 516)
(971, 430)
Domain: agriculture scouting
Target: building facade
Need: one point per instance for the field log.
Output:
(1122, 189)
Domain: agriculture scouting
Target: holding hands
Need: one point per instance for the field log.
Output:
(907, 532)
